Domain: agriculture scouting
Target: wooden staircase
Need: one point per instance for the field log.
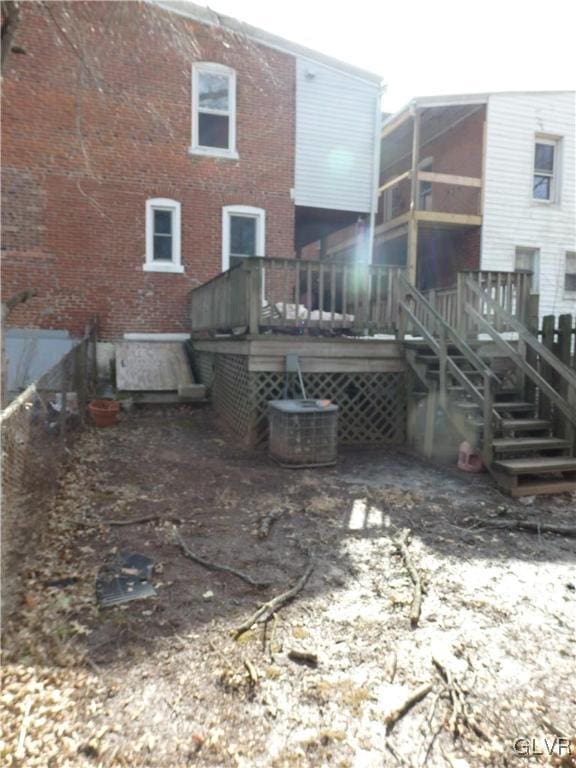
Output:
(494, 394)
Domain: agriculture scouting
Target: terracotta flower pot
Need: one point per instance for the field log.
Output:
(104, 412)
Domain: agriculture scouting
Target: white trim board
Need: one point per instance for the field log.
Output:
(156, 336)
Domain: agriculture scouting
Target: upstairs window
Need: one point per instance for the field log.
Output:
(570, 275)
(545, 170)
(213, 110)
(163, 236)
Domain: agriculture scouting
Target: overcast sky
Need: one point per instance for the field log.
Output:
(428, 47)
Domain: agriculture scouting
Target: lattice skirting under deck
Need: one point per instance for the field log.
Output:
(372, 406)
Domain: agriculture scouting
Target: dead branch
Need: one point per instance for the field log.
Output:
(267, 521)
(303, 657)
(401, 544)
(18, 298)
(420, 693)
(462, 714)
(530, 527)
(10, 22)
(216, 566)
(134, 520)
(266, 610)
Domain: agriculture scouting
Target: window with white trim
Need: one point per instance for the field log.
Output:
(528, 260)
(570, 274)
(213, 110)
(544, 183)
(243, 233)
(163, 226)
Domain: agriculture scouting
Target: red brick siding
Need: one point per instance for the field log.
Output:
(90, 133)
(442, 253)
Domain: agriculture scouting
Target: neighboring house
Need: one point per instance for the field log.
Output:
(482, 182)
(148, 146)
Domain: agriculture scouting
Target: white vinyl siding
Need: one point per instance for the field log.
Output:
(511, 217)
(335, 138)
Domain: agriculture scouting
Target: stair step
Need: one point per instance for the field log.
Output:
(519, 425)
(543, 486)
(537, 465)
(513, 405)
(512, 444)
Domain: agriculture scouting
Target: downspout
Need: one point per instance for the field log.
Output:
(375, 174)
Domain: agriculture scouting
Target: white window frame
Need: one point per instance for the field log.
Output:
(535, 252)
(175, 264)
(250, 212)
(552, 141)
(195, 147)
(569, 291)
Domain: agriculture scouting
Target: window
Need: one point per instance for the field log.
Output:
(545, 170)
(528, 260)
(163, 236)
(243, 234)
(213, 110)
(570, 275)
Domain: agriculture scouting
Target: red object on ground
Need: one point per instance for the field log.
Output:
(104, 412)
(469, 459)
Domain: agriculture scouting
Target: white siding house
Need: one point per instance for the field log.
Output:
(521, 227)
(337, 130)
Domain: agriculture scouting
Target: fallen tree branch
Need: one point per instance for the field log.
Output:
(401, 544)
(461, 711)
(529, 527)
(133, 521)
(266, 610)
(420, 693)
(216, 566)
(303, 657)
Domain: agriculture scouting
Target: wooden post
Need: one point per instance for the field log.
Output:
(488, 438)
(412, 257)
(532, 323)
(431, 405)
(460, 301)
(546, 371)
(563, 350)
(442, 359)
(254, 294)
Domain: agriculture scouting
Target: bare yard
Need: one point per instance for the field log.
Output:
(166, 681)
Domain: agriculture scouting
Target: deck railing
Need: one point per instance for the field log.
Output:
(264, 293)
(509, 290)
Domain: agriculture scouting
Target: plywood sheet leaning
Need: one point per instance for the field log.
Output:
(152, 366)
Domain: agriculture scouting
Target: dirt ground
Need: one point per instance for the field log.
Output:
(163, 681)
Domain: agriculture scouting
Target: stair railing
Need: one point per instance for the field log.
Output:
(528, 340)
(438, 334)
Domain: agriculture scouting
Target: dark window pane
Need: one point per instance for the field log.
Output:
(213, 91)
(162, 248)
(243, 235)
(544, 157)
(162, 222)
(213, 131)
(570, 282)
(542, 187)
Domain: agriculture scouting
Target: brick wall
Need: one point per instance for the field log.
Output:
(96, 120)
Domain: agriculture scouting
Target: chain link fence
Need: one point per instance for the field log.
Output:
(36, 429)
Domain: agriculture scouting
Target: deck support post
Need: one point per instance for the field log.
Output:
(429, 430)
(412, 256)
